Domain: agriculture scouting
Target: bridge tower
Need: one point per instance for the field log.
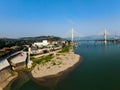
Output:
(105, 36)
(72, 35)
(72, 38)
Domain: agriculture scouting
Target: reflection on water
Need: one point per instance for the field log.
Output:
(100, 70)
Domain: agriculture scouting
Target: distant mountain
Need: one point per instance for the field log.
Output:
(40, 38)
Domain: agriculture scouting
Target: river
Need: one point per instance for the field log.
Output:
(99, 70)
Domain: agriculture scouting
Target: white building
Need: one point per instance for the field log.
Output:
(41, 44)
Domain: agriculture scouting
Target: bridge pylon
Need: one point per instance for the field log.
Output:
(105, 37)
(72, 35)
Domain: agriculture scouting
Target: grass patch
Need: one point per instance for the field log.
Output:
(65, 49)
(13, 73)
(58, 58)
(32, 58)
(42, 60)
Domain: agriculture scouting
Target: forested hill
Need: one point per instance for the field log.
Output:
(8, 42)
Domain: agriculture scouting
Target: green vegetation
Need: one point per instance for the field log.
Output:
(13, 73)
(65, 49)
(9, 42)
(32, 58)
(42, 60)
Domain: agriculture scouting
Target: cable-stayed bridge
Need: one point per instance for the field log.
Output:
(103, 36)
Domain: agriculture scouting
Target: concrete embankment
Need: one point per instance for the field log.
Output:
(5, 73)
(4, 63)
(6, 76)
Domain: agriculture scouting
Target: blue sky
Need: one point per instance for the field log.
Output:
(19, 18)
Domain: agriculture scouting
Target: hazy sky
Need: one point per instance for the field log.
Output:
(20, 18)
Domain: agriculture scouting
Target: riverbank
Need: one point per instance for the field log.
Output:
(60, 62)
(51, 70)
